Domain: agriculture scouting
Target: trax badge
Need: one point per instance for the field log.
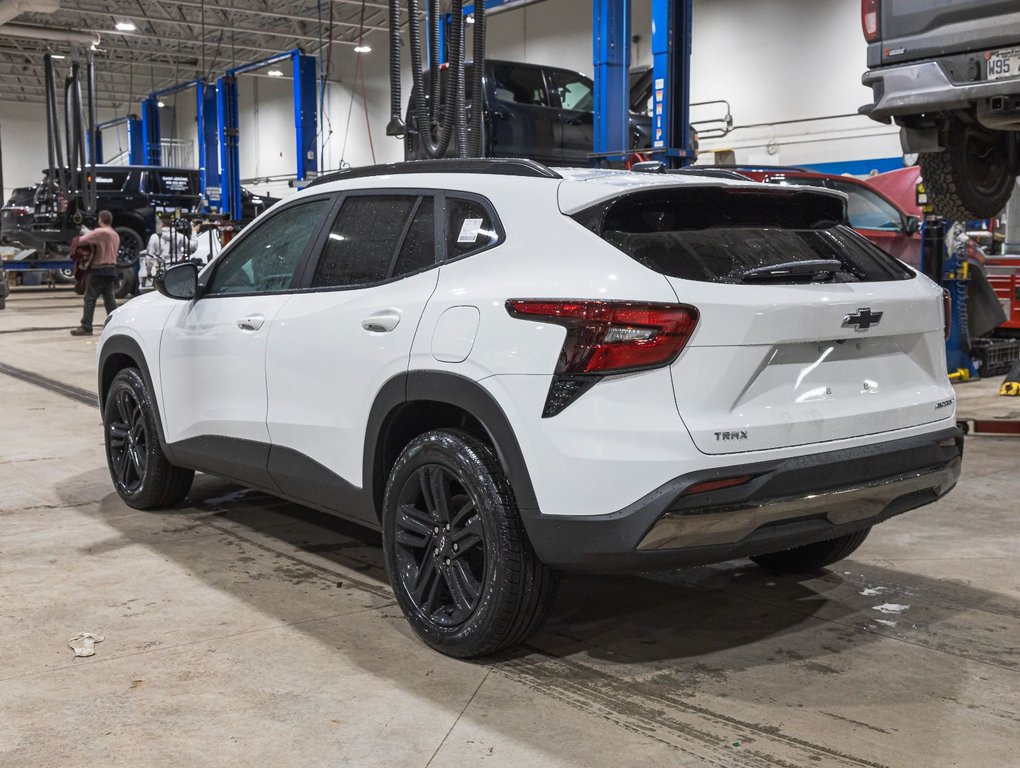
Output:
(741, 435)
(862, 319)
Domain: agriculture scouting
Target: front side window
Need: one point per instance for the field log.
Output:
(575, 92)
(266, 259)
(520, 84)
(469, 227)
(376, 238)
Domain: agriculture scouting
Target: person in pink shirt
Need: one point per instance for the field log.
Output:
(102, 271)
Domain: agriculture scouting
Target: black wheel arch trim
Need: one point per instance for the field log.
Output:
(461, 392)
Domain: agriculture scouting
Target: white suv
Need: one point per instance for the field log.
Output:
(511, 371)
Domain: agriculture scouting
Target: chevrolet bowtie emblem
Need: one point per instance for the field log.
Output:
(862, 319)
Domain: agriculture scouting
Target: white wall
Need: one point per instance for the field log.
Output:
(773, 61)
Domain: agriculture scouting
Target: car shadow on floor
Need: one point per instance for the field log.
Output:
(626, 619)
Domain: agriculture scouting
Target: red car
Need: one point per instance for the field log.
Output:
(872, 213)
(1003, 270)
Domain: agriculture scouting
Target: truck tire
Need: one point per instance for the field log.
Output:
(812, 557)
(125, 282)
(458, 557)
(974, 176)
(131, 246)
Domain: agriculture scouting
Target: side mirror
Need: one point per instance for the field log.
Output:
(178, 282)
(911, 224)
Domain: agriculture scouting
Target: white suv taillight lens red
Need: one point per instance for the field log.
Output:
(605, 337)
(869, 19)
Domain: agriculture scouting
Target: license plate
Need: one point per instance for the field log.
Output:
(1003, 64)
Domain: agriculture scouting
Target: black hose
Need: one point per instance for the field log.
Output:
(477, 148)
(435, 83)
(457, 55)
(396, 125)
(430, 146)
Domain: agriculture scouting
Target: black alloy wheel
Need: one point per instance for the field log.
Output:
(440, 552)
(459, 560)
(142, 475)
(128, 442)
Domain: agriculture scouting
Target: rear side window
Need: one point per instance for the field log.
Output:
(574, 92)
(469, 227)
(519, 84)
(375, 238)
(172, 183)
(741, 236)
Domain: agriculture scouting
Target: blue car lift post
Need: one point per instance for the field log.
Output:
(136, 145)
(305, 124)
(671, 50)
(205, 113)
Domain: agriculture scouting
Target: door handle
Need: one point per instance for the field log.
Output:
(251, 323)
(382, 322)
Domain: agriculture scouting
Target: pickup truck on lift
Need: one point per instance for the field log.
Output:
(135, 195)
(948, 73)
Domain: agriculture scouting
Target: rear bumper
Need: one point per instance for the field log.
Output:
(925, 86)
(788, 503)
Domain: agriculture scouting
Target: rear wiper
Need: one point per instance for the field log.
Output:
(791, 269)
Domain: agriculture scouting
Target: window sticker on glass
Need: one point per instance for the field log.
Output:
(469, 231)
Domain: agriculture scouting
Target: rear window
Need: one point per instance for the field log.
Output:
(740, 236)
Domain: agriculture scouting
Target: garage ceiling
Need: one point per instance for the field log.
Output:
(171, 42)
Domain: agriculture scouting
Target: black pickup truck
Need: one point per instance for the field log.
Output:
(948, 73)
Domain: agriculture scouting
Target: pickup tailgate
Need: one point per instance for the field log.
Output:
(921, 29)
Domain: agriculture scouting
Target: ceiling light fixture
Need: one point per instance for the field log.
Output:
(275, 73)
(470, 18)
(57, 56)
(125, 26)
(362, 49)
(160, 104)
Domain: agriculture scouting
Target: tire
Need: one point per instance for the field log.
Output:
(141, 474)
(124, 283)
(131, 246)
(974, 176)
(458, 558)
(63, 276)
(812, 557)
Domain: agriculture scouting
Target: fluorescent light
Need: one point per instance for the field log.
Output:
(57, 56)
(160, 104)
(125, 26)
(275, 73)
(362, 49)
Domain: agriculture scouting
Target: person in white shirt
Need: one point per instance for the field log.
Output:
(166, 244)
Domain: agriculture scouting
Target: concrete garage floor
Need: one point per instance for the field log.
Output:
(243, 630)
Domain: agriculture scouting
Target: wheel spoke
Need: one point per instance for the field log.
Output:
(138, 460)
(414, 527)
(124, 407)
(426, 489)
(440, 494)
(462, 514)
(470, 535)
(426, 584)
(123, 461)
(118, 432)
(464, 587)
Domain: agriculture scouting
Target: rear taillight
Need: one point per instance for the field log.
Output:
(869, 19)
(606, 337)
(947, 312)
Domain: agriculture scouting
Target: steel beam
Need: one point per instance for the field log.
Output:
(671, 51)
(611, 59)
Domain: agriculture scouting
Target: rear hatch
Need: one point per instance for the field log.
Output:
(808, 332)
(920, 29)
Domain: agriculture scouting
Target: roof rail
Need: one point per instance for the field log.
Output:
(500, 166)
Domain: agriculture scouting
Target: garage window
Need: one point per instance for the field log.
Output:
(376, 238)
